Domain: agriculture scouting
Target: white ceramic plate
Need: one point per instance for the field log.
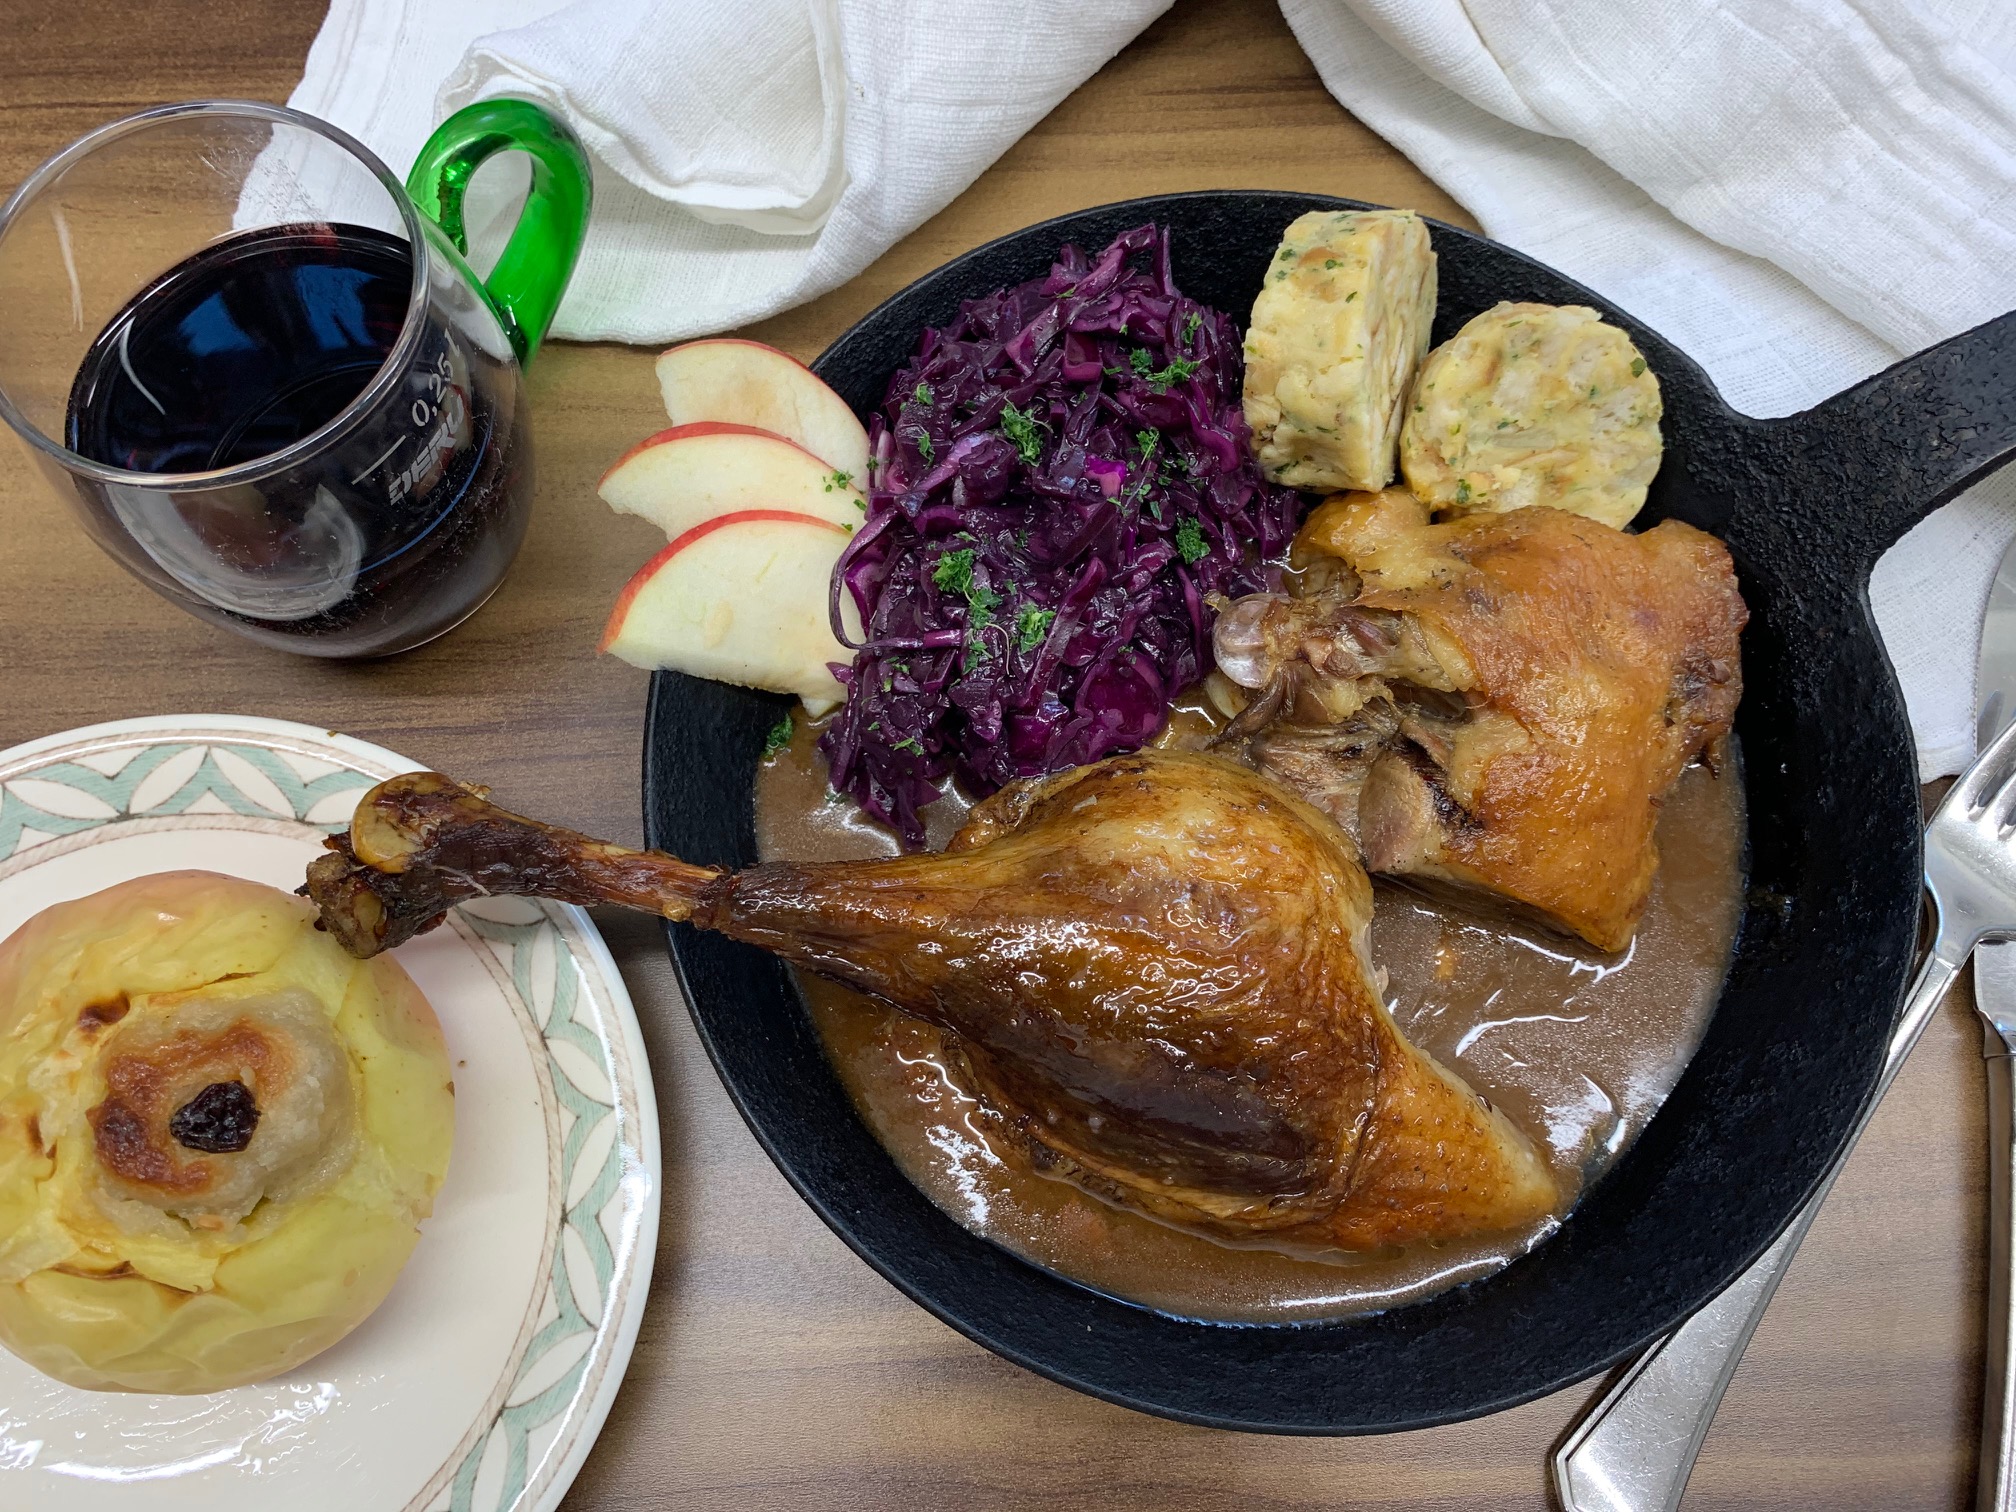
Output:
(481, 1383)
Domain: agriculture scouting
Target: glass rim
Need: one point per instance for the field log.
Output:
(395, 363)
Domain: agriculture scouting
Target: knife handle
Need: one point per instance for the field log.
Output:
(1995, 1488)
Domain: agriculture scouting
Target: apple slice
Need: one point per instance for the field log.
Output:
(740, 598)
(690, 474)
(748, 383)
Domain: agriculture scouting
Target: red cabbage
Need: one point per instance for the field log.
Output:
(1057, 479)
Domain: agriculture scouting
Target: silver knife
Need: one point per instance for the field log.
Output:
(1995, 997)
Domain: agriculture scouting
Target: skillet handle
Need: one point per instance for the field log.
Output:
(1876, 459)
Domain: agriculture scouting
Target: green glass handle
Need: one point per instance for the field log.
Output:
(524, 288)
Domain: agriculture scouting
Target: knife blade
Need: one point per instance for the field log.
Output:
(1995, 707)
(1995, 999)
(1995, 669)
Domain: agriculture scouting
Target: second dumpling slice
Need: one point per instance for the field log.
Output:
(1534, 404)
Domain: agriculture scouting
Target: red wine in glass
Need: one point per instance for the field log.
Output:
(389, 531)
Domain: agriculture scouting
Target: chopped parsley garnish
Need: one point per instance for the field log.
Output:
(1351, 296)
(1025, 430)
(921, 394)
(1190, 541)
(907, 743)
(1331, 262)
(1031, 625)
(838, 479)
(862, 505)
(1190, 323)
(1146, 441)
(1637, 367)
(1462, 490)
(954, 572)
(778, 738)
(1159, 379)
(925, 449)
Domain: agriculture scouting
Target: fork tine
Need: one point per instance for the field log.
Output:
(1991, 774)
(2001, 805)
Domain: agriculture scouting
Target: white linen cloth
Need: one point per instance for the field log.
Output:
(1795, 192)
(748, 156)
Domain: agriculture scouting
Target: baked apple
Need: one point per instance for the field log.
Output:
(218, 1134)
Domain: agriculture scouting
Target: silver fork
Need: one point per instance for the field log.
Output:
(1633, 1451)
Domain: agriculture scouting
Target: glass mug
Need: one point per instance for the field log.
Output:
(268, 383)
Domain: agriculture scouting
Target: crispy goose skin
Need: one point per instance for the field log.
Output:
(1155, 968)
(1498, 703)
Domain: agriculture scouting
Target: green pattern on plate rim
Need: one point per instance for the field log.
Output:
(515, 1458)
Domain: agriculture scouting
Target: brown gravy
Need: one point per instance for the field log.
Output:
(1577, 1048)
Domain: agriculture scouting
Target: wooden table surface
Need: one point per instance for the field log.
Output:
(776, 1371)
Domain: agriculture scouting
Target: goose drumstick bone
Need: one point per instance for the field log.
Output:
(421, 843)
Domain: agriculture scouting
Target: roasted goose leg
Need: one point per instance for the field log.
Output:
(1497, 703)
(1155, 968)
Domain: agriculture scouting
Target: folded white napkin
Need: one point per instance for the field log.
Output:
(748, 156)
(1796, 193)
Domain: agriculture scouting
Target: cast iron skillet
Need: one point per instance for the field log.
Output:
(1806, 504)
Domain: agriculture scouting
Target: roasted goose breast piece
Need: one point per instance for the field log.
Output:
(1497, 703)
(1154, 966)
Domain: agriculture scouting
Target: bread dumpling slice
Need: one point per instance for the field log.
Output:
(1339, 328)
(1534, 404)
